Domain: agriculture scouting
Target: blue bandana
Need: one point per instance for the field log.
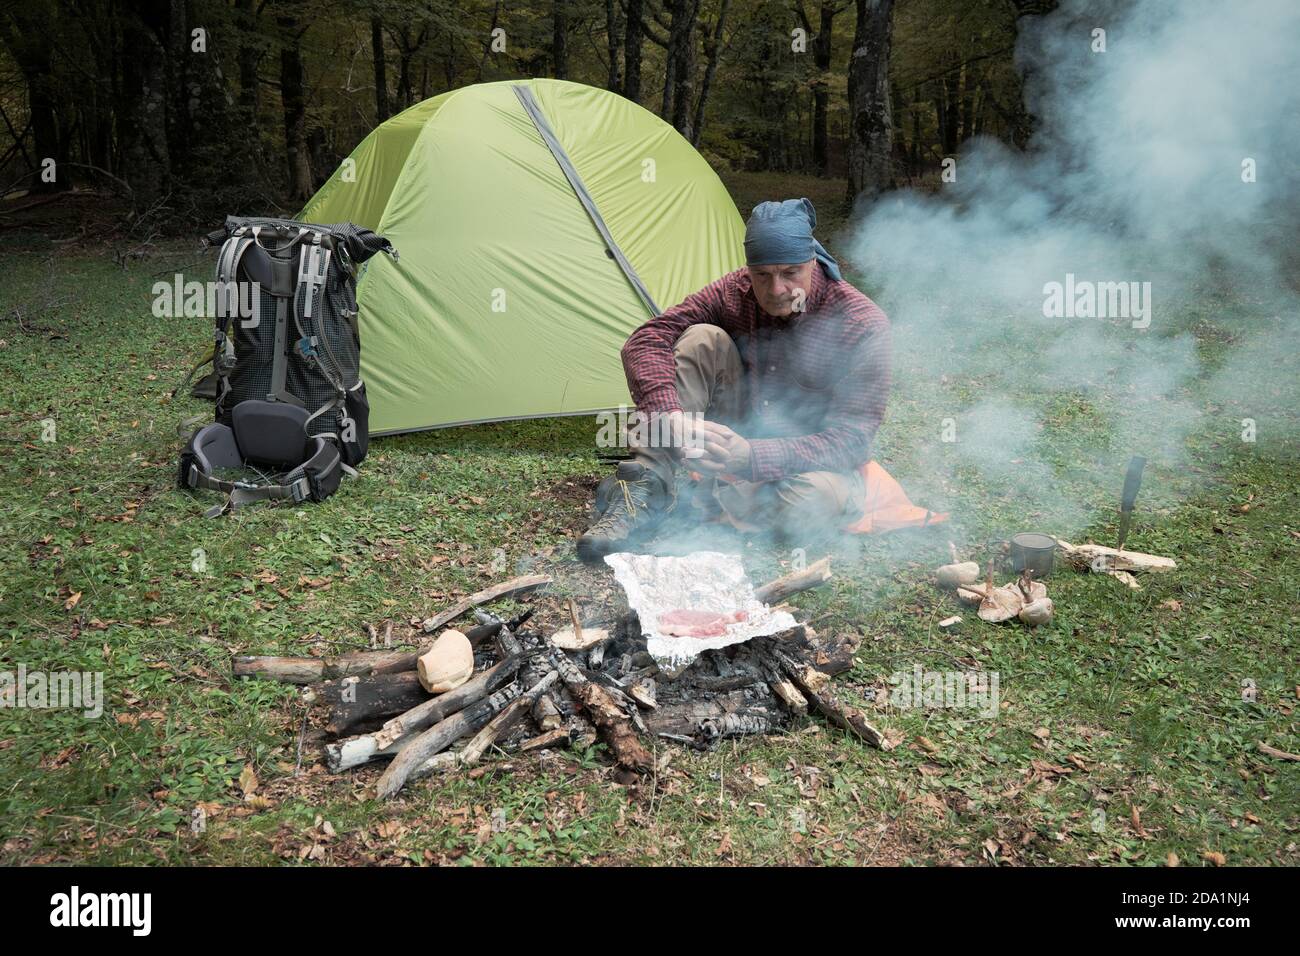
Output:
(781, 232)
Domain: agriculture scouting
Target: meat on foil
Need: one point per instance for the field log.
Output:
(688, 623)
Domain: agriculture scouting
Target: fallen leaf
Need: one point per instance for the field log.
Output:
(248, 780)
(1135, 814)
(1210, 856)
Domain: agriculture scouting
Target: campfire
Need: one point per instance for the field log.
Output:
(517, 686)
(700, 657)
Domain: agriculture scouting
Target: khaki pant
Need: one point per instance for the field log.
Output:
(710, 381)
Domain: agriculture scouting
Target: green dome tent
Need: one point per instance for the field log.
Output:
(538, 223)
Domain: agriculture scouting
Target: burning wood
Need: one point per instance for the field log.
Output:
(551, 738)
(439, 737)
(568, 640)
(611, 720)
(813, 684)
(569, 689)
(357, 703)
(503, 721)
(546, 715)
(431, 711)
(496, 592)
(813, 576)
(310, 670)
(1097, 557)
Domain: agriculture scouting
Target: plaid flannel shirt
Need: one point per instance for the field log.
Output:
(816, 383)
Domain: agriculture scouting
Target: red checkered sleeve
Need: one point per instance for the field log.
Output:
(648, 353)
(855, 412)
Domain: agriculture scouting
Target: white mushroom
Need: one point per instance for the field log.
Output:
(567, 640)
(959, 572)
(1001, 604)
(447, 664)
(955, 575)
(1030, 589)
(1037, 612)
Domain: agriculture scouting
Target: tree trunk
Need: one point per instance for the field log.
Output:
(381, 69)
(294, 102)
(142, 109)
(914, 155)
(712, 50)
(27, 37)
(632, 51)
(670, 65)
(487, 45)
(952, 107)
(559, 46)
(611, 37)
(821, 90)
(870, 121)
(248, 57)
(969, 83)
(404, 54)
(687, 11)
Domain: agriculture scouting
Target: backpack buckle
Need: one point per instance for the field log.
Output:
(300, 489)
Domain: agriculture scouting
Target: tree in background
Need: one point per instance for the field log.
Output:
(827, 12)
(264, 105)
(871, 126)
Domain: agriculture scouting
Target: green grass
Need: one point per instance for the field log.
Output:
(1128, 703)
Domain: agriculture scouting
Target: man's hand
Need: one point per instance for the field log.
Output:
(671, 430)
(723, 451)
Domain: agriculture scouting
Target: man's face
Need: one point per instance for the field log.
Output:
(782, 289)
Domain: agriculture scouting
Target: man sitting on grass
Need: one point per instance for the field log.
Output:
(768, 385)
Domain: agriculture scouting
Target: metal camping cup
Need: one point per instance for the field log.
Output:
(1033, 551)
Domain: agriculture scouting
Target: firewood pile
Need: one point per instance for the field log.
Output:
(518, 685)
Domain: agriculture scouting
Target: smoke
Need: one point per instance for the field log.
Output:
(1122, 284)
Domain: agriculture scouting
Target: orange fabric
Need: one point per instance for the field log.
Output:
(888, 508)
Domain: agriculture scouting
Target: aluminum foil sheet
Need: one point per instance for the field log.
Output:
(702, 581)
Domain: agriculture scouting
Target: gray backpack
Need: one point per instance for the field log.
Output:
(287, 361)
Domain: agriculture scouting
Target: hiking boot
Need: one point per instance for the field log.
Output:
(637, 502)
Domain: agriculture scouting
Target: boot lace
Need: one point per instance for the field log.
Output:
(635, 495)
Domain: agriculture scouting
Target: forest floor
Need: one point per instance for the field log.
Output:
(1128, 729)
